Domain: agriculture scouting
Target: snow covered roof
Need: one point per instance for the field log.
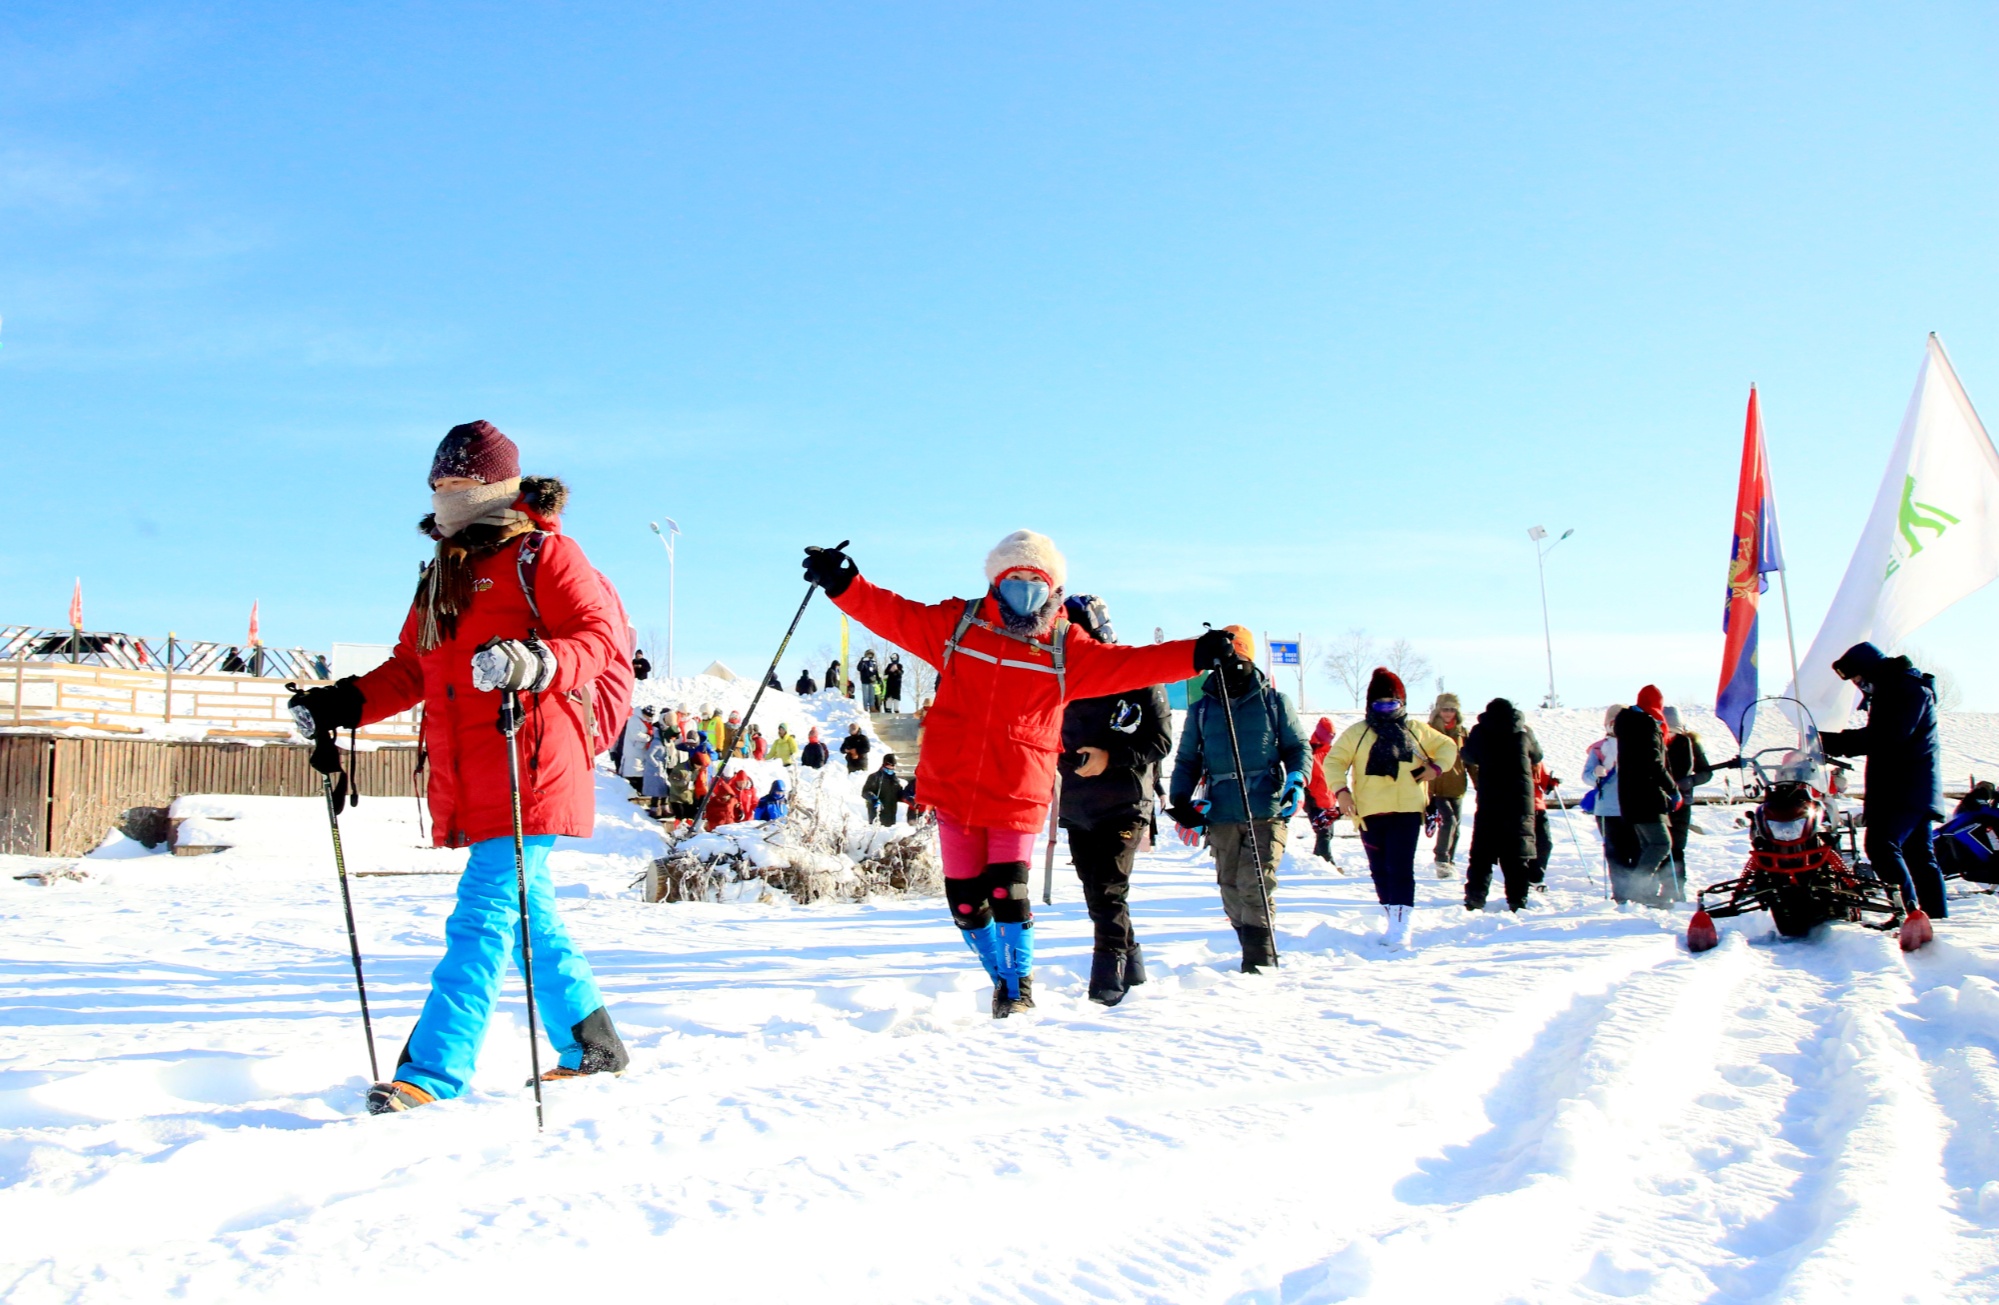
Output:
(721, 672)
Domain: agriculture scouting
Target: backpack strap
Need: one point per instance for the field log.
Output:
(1056, 646)
(526, 563)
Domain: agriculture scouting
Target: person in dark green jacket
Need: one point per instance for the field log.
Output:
(1273, 759)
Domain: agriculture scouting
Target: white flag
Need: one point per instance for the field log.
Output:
(1932, 539)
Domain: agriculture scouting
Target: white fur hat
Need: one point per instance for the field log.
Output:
(1024, 548)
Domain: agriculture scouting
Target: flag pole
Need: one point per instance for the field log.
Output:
(1784, 571)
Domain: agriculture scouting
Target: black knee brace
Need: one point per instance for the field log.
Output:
(967, 898)
(1006, 884)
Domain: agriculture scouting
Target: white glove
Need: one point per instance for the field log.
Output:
(511, 664)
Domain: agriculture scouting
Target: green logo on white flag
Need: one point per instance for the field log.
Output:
(1917, 516)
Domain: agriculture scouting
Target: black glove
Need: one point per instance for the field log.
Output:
(1212, 648)
(319, 712)
(1185, 815)
(830, 569)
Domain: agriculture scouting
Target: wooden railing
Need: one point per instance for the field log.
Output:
(59, 695)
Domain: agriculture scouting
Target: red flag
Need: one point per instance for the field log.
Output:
(76, 606)
(1755, 552)
(256, 630)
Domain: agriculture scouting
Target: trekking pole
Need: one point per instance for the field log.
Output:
(353, 940)
(510, 723)
(302, 719)
(729, 741)
(1568, 823)
(1048, 866)
(1242, 782)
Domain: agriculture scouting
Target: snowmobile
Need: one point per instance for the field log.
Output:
(1795, 870)
(1967, 845)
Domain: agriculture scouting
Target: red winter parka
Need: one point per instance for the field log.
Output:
(468, 789)
(991, 737)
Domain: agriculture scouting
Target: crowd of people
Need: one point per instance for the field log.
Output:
(1032, 684)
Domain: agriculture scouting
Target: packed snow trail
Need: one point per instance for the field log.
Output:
(1559, 1106)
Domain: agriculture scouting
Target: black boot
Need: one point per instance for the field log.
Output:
(1134, 967)
(1107, 976)
(1257, 953)
(1006, 1003)
(603, 1050)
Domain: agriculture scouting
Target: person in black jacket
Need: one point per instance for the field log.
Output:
(870, 678)
(832, 680)
(813, 754)
(892, 683)
(1687, 763)
(1646, 796)
(1904, 786)
(1111, 750)
(855, 749)
(640, 666)
(806, 684)
(882, 791)
(1501, 754)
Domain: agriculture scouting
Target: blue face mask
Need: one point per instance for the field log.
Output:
(1023, 597)
(1385, 706)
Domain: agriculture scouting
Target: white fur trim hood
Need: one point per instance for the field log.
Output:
(1028, 549)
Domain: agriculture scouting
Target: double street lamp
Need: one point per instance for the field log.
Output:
(1541, 551)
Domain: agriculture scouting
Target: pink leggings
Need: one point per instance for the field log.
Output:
(969, 850)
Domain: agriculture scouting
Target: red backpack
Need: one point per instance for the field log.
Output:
(606, 700)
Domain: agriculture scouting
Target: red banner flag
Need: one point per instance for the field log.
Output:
(76, 606)
(256, 629)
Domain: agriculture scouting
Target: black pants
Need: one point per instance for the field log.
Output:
(1390, 843)
(1103, 857)
(1544, 847)
(1682, 823)
(1904, 857)
(1449, 813)
(1514, 868)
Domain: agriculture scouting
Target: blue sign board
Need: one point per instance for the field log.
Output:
(1283, 653)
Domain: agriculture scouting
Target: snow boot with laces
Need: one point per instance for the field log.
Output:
(391, 1098)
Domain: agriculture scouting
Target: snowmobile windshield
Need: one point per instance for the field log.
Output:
(1787, 831)
(1022, 596)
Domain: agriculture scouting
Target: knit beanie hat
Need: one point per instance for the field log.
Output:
(1024, 549)
(476, 449)
(1245, 642)
(1384, 684)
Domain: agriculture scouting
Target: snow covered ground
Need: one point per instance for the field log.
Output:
(1560, 1106)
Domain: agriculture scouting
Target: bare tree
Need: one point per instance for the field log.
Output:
(1950, 693)
(1411, 666)
(1350, 659)
(922, 680)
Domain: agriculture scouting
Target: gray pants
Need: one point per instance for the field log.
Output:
(1237, 876)
(1650, 881)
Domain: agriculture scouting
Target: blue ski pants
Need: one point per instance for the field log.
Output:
(483, 929)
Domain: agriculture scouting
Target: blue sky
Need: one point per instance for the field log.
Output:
(1294, 315)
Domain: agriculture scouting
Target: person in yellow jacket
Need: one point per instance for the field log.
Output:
(1380, 770)
(784, 747)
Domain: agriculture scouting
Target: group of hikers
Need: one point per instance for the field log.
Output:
(1031, 682)
(881, 683)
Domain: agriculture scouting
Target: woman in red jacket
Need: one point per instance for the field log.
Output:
(1006, 664)
(475, 628)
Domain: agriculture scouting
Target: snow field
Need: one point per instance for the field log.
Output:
(1563, 1105)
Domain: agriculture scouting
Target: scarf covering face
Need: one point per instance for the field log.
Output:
(1393, 743)
(446, 588)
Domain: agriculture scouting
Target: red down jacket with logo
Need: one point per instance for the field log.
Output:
(992, 736)
(469, 800)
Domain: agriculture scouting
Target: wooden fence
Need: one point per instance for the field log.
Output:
(119, 700)
(60, 795)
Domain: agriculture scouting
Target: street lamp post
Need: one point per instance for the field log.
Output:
(667, 538)
(1541, 551)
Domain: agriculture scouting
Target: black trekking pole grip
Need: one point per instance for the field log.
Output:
(1249, 816)
(510, 723)
(731, 739)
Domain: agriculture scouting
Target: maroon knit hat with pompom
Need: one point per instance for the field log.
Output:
(1385, 684)
(477, 449)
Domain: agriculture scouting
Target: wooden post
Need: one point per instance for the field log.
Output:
(170, 677)
(17, 689)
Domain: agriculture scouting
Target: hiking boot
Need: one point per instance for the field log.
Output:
(1005, 1004)
(390, 1098)
(1257, 951)
(1134, 967)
